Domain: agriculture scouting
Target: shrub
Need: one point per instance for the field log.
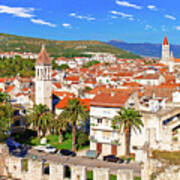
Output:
(2, 137)
(82, 139)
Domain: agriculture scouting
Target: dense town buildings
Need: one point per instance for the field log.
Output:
(151, 86)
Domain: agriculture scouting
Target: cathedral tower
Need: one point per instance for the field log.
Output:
(43, 87)
(165, 50)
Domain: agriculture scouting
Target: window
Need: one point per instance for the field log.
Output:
(67, 172)
(99, 120)
(46, 169)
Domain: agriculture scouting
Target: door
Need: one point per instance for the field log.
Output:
(99, 147)
(114, 149)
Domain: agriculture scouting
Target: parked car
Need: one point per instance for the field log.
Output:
(47, 149)
(112, 158)
(66, 152)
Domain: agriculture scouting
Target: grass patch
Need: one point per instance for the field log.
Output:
(29, 138)
(89, 175)
(113, 177)
(171, 157)
(137, 178)
(54, 141)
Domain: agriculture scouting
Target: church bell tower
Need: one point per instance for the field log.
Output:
(43, 80)
(165, 50)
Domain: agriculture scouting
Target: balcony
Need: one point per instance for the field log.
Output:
(103, 126)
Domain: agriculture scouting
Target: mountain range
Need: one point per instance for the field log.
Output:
(144, 49)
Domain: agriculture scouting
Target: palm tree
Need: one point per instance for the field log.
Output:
(41, 119)
(74, 114)
(127, 119)
(61, 125)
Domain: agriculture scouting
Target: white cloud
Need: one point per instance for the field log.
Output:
(24, 13)
(177, 28)
(123, 15)
(147, 27)
(170, 17)
(88, 18)
(152, 7)
(127, 4)
(66, 25)
(114, 17)
(163, 28)
(42, 22)
(17, 11)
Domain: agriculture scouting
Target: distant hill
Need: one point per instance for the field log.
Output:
(57, 48)
(144, 49)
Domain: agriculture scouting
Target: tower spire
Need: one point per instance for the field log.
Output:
(43, 57)
(165, 42)
(171, 56)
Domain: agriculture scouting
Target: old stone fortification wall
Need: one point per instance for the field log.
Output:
(15, 167)
(156, 170)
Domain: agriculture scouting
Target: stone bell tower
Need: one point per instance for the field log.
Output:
(165, 50)
(43, 81)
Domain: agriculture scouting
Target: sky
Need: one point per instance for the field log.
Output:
(104, 20)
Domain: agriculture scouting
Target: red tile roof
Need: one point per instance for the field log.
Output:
(63, 93)
(148, 76)
(43, 58)
(24, 89)
(58, 85)
(72, 78)
(108, 100)
(9, 89)
(3, 80)
(165, 42)
(63, 103)
(176, 60)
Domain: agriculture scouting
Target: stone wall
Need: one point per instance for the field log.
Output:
(156, 170)
(3, 155)
(27, 168)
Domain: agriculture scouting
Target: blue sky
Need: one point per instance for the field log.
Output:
(131, 20)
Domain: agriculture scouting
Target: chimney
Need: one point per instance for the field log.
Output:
(112, 93)
(99, 92)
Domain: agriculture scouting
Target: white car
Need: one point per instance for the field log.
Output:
(48, 149)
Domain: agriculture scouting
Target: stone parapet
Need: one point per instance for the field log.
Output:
(101, 174)
(124, 174)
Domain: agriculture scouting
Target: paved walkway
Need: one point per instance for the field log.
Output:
(82, 161)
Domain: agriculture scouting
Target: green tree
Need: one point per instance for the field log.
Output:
(127, 120)
(41, 119)
(74, 113)
(63, 67)
(82, 139)
(6, 118)
(4, 98)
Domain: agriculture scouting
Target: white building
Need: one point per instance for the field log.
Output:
(103, 138)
